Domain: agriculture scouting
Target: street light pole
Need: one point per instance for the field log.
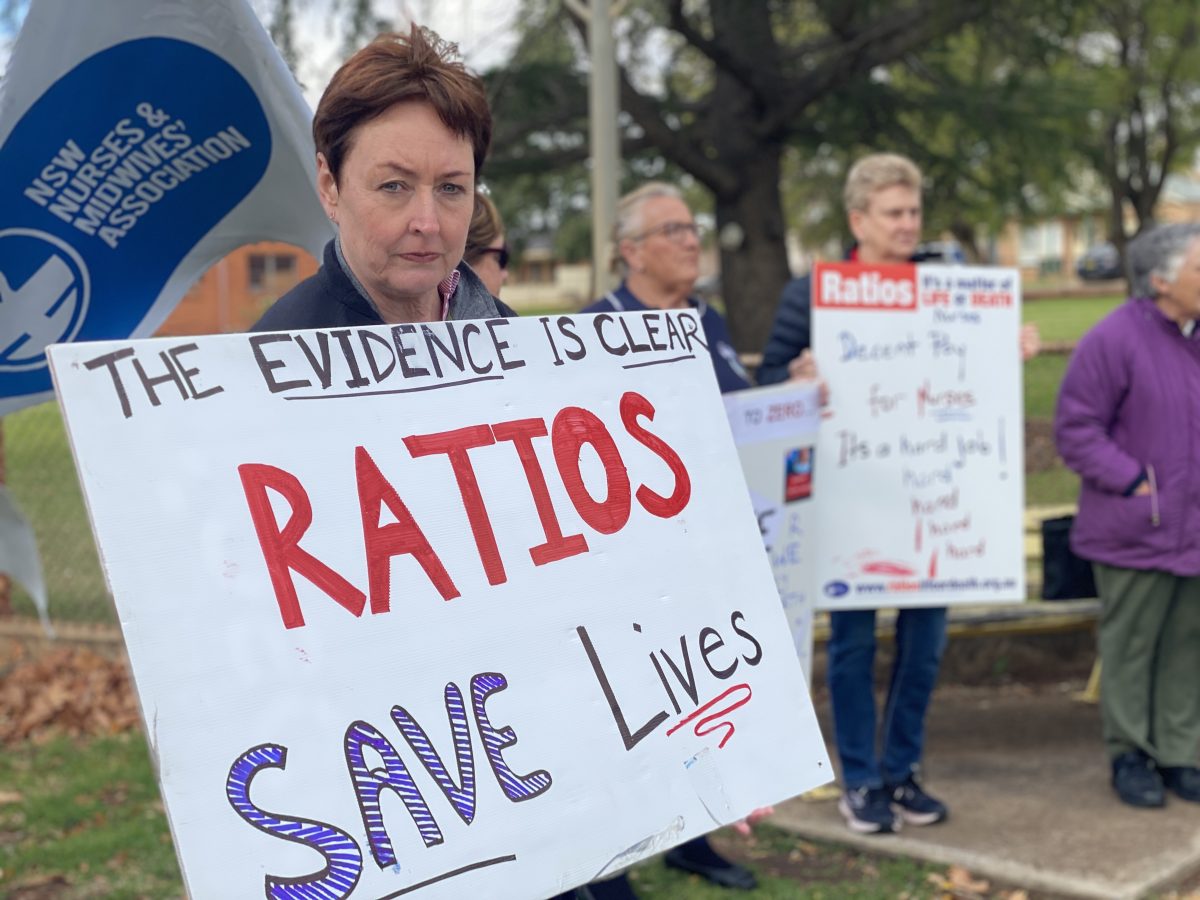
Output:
(603, 133)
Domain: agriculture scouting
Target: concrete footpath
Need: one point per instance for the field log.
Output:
(1024, 774)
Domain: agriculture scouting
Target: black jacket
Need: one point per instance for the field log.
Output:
(329, 299)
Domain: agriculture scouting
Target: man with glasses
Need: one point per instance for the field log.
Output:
(658, 256)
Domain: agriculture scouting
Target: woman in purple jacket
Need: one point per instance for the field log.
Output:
(1128, 421)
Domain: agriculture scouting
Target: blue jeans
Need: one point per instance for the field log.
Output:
(871, 757)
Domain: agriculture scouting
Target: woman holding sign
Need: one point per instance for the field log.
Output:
(400, 135)
(880, 751)
(1128, 421)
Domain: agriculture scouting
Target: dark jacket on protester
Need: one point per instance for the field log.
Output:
(333, 298)
(792, 332)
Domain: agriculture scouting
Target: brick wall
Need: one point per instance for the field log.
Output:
(232, 294)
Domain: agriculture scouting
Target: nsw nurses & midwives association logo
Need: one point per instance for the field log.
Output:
(44, 293)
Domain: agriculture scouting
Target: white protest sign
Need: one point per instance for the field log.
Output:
(479, 608)
(775, 430)
(140, 142)
(922, 476)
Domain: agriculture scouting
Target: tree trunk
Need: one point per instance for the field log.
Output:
(964, 233)
(749, 208)
(754, 265)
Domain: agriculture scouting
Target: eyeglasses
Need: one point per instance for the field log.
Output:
(674, 231)
(501, 254)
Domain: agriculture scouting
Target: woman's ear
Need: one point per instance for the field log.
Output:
(327, 188)
(1160, 286)
(630, 252)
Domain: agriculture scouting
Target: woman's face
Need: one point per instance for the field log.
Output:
(402, 202)
(667, 249)
(1180, 299)
(487, 266)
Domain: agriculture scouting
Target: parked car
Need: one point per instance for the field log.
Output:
(1101, 262)
(940, 252)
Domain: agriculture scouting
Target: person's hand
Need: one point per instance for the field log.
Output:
(1030, 341)
(804, 368)
(743, 826)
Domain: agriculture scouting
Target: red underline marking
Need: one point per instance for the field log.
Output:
(717, 715)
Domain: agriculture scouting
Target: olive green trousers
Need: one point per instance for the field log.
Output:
(1149, 640)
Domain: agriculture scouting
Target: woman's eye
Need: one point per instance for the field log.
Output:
(452, 188)
(392, 186)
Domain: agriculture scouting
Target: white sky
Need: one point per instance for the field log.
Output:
(483, 29)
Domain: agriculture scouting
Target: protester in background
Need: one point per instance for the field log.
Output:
(1128, 421)
(486, 252)
(880, 760)
(658, 255)
(400, 134)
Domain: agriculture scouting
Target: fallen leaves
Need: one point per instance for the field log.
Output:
(69, 691)
(957, 883)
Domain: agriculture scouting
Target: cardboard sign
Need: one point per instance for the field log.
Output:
(476, 608)
(140, 142)
(775, 430)
(922, 476)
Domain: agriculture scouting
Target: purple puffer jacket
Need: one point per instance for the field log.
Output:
(1130, 402)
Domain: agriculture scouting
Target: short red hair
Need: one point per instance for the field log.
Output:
(418, 67)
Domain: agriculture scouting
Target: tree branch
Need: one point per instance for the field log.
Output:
(541, 162)
(749, 76)
(677, 146)
(883, 41)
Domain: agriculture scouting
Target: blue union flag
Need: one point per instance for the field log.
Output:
(140, 141)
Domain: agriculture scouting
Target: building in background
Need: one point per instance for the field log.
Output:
(231, 295)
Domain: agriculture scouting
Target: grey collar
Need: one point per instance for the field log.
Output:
(470, 299)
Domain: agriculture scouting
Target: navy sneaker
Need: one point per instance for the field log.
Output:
(1136, 780)
(869, 811)
(1183, 780)
(914, 805)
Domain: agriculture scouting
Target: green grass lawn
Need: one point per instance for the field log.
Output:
(1057, 320)
(1043, 375)
(1068, 318)
(84, 820)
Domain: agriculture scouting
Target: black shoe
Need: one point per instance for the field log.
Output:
(697, 857)
(914, 805)
(869, 811)
(1183, 780)
(1136, 781)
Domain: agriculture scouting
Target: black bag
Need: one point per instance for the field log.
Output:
(1064, 575)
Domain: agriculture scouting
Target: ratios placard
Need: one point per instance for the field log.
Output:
(922, 449)
(468, 608)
